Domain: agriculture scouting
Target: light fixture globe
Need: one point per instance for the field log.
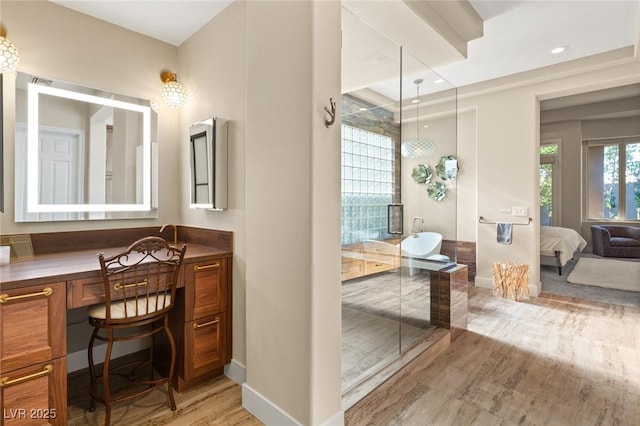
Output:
(417, 148)
(9, 57)
(174, 94)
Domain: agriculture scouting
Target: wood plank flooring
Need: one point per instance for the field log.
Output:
(545, 361)
(552, 360)
(216, 403)
(381, 315)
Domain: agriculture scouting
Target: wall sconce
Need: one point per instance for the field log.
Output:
(174, 93)
(9, 57)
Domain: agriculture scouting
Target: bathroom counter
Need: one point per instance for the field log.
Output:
(79, 264)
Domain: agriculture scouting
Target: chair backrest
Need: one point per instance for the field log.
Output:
(142, 279)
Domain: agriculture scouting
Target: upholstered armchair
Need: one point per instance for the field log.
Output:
(615, 241)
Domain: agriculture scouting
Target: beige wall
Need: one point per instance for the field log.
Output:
(439, 216)
(293, 208)
(212, 66)
(507, 138)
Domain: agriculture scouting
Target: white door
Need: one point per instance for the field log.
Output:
(60, 171)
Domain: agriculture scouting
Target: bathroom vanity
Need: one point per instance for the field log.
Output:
(65, 274)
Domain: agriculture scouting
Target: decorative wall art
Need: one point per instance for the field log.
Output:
(447, 168)
(422, 174)
(437, 191)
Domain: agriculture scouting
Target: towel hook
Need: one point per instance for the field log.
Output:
(331, 113)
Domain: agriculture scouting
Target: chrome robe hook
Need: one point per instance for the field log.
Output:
(331, 113)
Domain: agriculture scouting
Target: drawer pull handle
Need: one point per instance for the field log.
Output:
(6, 381)
(120, 286)
(197, 326)
(201, 268)
(4, 298)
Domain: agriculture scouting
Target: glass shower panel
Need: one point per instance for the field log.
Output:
(429, 172)
(370, 184)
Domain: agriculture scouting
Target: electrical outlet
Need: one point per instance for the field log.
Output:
(519, 211)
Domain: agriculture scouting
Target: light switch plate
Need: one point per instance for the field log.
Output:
(519, 211)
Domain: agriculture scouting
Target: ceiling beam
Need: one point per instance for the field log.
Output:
(456, 21)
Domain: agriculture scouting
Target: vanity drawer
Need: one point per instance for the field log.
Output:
(33, 326)
(205, 345)
(35, 394)
(90, 291)
(205, 288)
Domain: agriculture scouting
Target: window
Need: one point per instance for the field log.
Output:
(549, 184)
(613, 179)
(367, 184)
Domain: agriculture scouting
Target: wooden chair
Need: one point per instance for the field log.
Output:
(140, 285)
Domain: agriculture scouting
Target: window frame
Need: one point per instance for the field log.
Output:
(556, 189)
(622, 143)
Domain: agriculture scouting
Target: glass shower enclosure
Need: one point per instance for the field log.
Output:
(399, 177)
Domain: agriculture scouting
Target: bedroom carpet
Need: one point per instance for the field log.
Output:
(607, 273)
(554, 284)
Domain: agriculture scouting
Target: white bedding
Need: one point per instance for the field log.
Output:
(565, 240)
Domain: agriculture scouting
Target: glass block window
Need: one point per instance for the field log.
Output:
(367, 184)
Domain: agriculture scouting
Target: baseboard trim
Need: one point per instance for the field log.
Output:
(483, 282)
(534, 289)
(335, 420)
(264, 410)
(270, 414)
(236, 372)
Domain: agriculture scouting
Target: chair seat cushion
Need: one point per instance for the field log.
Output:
(624, 242)
(118, 308)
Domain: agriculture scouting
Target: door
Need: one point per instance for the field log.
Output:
(550, 206)
(61, 171)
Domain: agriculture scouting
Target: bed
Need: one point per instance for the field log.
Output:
(558, 245)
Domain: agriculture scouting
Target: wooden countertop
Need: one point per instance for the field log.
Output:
(56, 267)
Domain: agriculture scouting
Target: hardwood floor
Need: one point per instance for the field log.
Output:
(380, 315)
(552, 360)
(216, 403)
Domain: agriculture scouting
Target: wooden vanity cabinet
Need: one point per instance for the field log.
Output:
(33, 355)
(201, 325)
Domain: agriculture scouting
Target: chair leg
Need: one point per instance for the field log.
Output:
(105, 379)
(151, 355)
(92, 371)
(172, 364)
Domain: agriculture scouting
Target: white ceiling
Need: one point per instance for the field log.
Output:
(518, 35)
(172, 21)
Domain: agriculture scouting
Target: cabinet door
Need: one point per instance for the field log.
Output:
(33, 325)
(36, 395)
(206, 288)
(205, 341)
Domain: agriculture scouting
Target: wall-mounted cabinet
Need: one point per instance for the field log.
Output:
(208, 147)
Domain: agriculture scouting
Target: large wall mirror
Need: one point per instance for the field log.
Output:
(82, 153)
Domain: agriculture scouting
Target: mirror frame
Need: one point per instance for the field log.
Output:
(33, 178)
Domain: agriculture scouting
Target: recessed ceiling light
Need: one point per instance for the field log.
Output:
(558, 49)
(426, 125)
(415, 101)
(438, 81)
(363, 109)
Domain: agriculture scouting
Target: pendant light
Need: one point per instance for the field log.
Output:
(417, 147)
